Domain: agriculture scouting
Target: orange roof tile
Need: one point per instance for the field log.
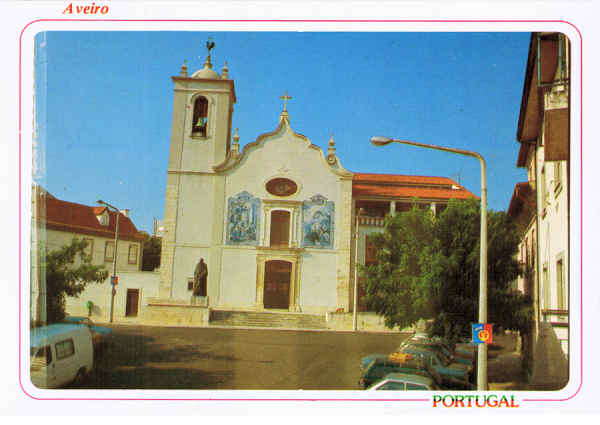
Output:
(400, 186)
(398, 178)
(77, 218)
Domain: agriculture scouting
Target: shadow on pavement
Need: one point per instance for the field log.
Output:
(139, 362)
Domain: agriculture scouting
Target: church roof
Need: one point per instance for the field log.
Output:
(401, 186)
(77, 218)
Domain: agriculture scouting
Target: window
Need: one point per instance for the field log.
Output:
(280, 228)
(103, 218)
(392, 385)
(133, 254)
(370, 252)
(560, 285)
(544, 192)
(557, 175)
(200, 117)
(89, 248)
(109, 250)
(415, 387)
(64, 349)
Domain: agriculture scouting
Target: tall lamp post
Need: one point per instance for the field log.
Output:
(482, 383)
(114, 275)
(356, 237)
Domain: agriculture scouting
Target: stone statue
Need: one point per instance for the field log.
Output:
(200, 275)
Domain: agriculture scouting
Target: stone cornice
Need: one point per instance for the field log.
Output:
(281, 202)
(200, 173)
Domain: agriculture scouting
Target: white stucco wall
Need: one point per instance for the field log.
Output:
(318, 277)
(99, 294)
(284, 155)
(195, 210)
(239, 278)
(56, 239)
(553, 231)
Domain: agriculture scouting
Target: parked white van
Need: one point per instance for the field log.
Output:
(60, 353)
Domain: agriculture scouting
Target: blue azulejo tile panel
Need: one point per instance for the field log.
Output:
(317, 223)
(243, 219)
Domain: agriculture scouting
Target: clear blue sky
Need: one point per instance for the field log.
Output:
(105, 102)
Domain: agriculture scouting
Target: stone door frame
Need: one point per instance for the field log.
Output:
(290, 255)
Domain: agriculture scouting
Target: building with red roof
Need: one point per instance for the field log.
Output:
(63, 220)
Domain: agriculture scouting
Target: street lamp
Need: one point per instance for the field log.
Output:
(356, 237)
(482, 383)
(114, 275)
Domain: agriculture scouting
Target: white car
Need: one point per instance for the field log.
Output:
(60, 353)
(404, 382)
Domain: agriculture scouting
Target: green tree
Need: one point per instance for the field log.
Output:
(393, 286)
(68, 271)
(445, 285)
(151, 252)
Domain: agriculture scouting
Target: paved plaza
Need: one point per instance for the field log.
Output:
(146, 357)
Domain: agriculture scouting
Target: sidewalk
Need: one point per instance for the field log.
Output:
(504, 364)
(506, 374)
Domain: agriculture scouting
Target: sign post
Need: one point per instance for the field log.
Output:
(482, 333)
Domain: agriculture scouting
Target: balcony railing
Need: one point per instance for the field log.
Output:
(371, 221)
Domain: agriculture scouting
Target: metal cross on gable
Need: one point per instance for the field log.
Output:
(285, 98)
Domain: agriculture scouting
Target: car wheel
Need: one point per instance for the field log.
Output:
(80, 377)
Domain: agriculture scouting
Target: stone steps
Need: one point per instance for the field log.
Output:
(267, 319)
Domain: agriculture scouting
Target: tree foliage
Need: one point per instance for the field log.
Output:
(392, 285)
(428, 268)
(151, 253)
(68, 271)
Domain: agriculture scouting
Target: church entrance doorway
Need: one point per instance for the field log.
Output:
(277, 284)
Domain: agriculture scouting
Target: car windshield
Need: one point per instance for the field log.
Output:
(444, 358)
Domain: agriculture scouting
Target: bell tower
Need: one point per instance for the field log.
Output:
(200, 139)
(202, 112)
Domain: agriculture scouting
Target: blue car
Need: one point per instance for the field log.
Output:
(454, 375)
(439, 347)
(380, 366)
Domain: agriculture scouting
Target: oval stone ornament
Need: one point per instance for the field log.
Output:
(282, 187)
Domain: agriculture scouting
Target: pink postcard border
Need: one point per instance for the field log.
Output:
(324, 21)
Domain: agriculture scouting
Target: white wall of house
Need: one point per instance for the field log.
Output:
(554, 243)
(146, 283)
(57, 239)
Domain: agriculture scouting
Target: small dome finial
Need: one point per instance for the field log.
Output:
(331, 158)
(225, 73)
(236, 142)
(184, 72)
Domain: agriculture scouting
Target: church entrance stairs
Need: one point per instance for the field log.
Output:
(253, 319)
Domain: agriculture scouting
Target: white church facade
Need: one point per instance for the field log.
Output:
(275, 223)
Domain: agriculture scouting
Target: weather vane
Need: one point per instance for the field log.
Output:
(210, 45)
